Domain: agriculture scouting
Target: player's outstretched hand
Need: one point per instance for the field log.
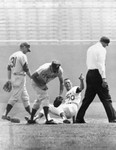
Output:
(81, 77)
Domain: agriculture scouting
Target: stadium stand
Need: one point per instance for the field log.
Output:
(62, 20)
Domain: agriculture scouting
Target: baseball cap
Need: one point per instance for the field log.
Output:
(55, 64)
(105, 39)
(26, 45)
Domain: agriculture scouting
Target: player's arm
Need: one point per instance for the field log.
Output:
(61, 84)
(26, 69)
(9, 71)
(25, 66)
(79, 89)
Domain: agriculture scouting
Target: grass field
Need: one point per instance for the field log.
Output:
(96, 134)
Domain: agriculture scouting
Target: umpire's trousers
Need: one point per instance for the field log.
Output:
(94, 86)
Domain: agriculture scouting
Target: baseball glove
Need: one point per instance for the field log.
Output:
(7, 86)
(58, 100)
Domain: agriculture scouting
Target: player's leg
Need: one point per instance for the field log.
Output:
(7, 110)
(70, 111)
(35, 108)
(73, 109)
(17, 85)
(46, 109)
(36, 104)
(39, 115)
(13, 99)
(34, 117)
(42, 97)
(55, 110)
(58, 111)
(25, 100)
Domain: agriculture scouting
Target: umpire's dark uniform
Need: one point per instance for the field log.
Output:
(96, 81)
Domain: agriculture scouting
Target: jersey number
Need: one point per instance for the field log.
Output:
(13, 61)
(71, 97)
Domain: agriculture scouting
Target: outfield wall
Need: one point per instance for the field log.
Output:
(72, 58)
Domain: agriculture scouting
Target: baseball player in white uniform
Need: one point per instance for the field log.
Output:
(43, 75)
(17, 70)
(70, 107)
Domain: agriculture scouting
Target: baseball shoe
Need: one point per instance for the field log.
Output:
(112, 121)
(50, 122)
(6, 117)
(66, 121)
(79, 121)
(35, 118)
(31, 122)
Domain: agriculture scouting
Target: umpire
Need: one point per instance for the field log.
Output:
(96, 81)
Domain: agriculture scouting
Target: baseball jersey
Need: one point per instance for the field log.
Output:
(16, 61)
(46, 74)
(73, 97)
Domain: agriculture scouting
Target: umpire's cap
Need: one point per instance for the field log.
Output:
(55, 64)
(105, 39)
(26, 45)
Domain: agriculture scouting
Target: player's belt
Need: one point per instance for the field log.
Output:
(19, 74)
(93, 70)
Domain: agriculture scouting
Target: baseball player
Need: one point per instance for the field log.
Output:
(70, 107)
(40, 78)
(17, 70)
